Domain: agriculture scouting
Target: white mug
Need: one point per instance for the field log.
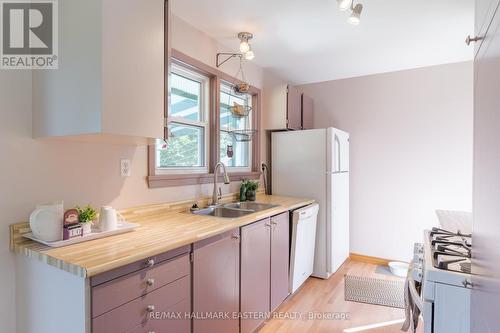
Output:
(46, 222)
(108, 218)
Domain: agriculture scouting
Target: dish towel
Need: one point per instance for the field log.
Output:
(412, 309)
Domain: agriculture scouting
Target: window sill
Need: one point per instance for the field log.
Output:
(171, 180)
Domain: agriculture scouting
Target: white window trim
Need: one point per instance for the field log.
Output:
(203, 123)
(225, 87)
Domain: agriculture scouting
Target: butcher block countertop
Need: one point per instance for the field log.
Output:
(162, 227)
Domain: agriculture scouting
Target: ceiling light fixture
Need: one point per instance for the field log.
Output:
(245, 47)
(355, 17)
(344, 4)
(244, 37)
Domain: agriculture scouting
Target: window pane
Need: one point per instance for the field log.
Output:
(185, 148)
(240, 150)
(185, 98)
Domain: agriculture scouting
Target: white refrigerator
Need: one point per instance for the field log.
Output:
(315, 164)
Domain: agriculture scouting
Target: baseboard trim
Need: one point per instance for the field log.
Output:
(368, 259)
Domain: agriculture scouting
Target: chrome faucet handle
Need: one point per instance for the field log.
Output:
(220, 194)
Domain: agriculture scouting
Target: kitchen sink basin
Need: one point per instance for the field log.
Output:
(223, 212)
(234, 210)
(254, 206)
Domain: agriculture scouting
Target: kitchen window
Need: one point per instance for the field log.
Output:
(201, 129)
(186, 149)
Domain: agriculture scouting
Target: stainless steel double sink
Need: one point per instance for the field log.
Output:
(234, 210)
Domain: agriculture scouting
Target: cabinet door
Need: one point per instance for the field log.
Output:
(280, 238)
(307, 112)
(486, 236)
(133, 67)
(216, 280)
(255, 271)
(294, 109)
(483, 14)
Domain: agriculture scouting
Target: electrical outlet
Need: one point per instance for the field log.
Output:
(125, 167)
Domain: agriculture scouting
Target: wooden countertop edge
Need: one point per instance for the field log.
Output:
(84, 272)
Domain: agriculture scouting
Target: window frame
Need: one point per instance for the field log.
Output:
(204, 80)
(216, 77)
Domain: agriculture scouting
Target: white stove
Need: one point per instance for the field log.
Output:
(441, 275)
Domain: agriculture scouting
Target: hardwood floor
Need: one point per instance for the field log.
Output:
(326, 297)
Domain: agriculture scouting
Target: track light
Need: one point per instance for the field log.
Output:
(344, 4)
(354, 19)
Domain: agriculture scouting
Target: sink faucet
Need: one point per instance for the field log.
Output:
(216, 196)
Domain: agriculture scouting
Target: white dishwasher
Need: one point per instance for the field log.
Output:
(303, 243)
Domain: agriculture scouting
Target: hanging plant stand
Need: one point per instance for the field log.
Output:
(240, 111)
(243, 135)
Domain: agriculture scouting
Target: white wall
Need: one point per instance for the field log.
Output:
(411, 150)
(37, 171)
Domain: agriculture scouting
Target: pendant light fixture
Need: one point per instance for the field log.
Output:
(355, 16)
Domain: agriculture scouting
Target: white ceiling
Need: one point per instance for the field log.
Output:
(310, 40)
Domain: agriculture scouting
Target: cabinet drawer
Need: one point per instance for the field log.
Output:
(163, 325)
(129, 316)
(114, 293)
(138, 265)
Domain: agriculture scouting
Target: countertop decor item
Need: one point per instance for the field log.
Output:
(86, 216)
(108, 218)
(71, 226)
(94, 234)
(243, 191)
(251, 187)
(46, 222)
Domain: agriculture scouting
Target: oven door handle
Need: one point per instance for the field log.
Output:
(415, 296)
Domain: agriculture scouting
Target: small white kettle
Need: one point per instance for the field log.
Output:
(46, 222)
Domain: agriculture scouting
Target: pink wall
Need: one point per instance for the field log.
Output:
(37, 171)
(411, 150)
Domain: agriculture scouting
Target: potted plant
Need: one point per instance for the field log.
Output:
(251, 186)
(86, 217)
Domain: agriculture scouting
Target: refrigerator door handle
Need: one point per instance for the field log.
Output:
(337, 153)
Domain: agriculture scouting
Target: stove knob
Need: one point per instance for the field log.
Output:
(417, 274)
(418, 258)
(418, 248)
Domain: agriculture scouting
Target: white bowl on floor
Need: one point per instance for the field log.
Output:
(399, 268)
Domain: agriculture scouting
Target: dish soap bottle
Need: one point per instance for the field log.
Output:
(243, 191)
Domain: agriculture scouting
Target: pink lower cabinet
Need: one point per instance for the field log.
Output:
(264, 268)
(255, 272)
(216, 277)
(143, 296)
(280, 257)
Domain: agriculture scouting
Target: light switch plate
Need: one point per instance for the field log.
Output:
(125, 167)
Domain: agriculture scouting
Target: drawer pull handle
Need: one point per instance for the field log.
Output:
(274, 223)
(467, 284)
(470, 39)
(150, 262)
(150, 308)
(150, 282)
(235, 237)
